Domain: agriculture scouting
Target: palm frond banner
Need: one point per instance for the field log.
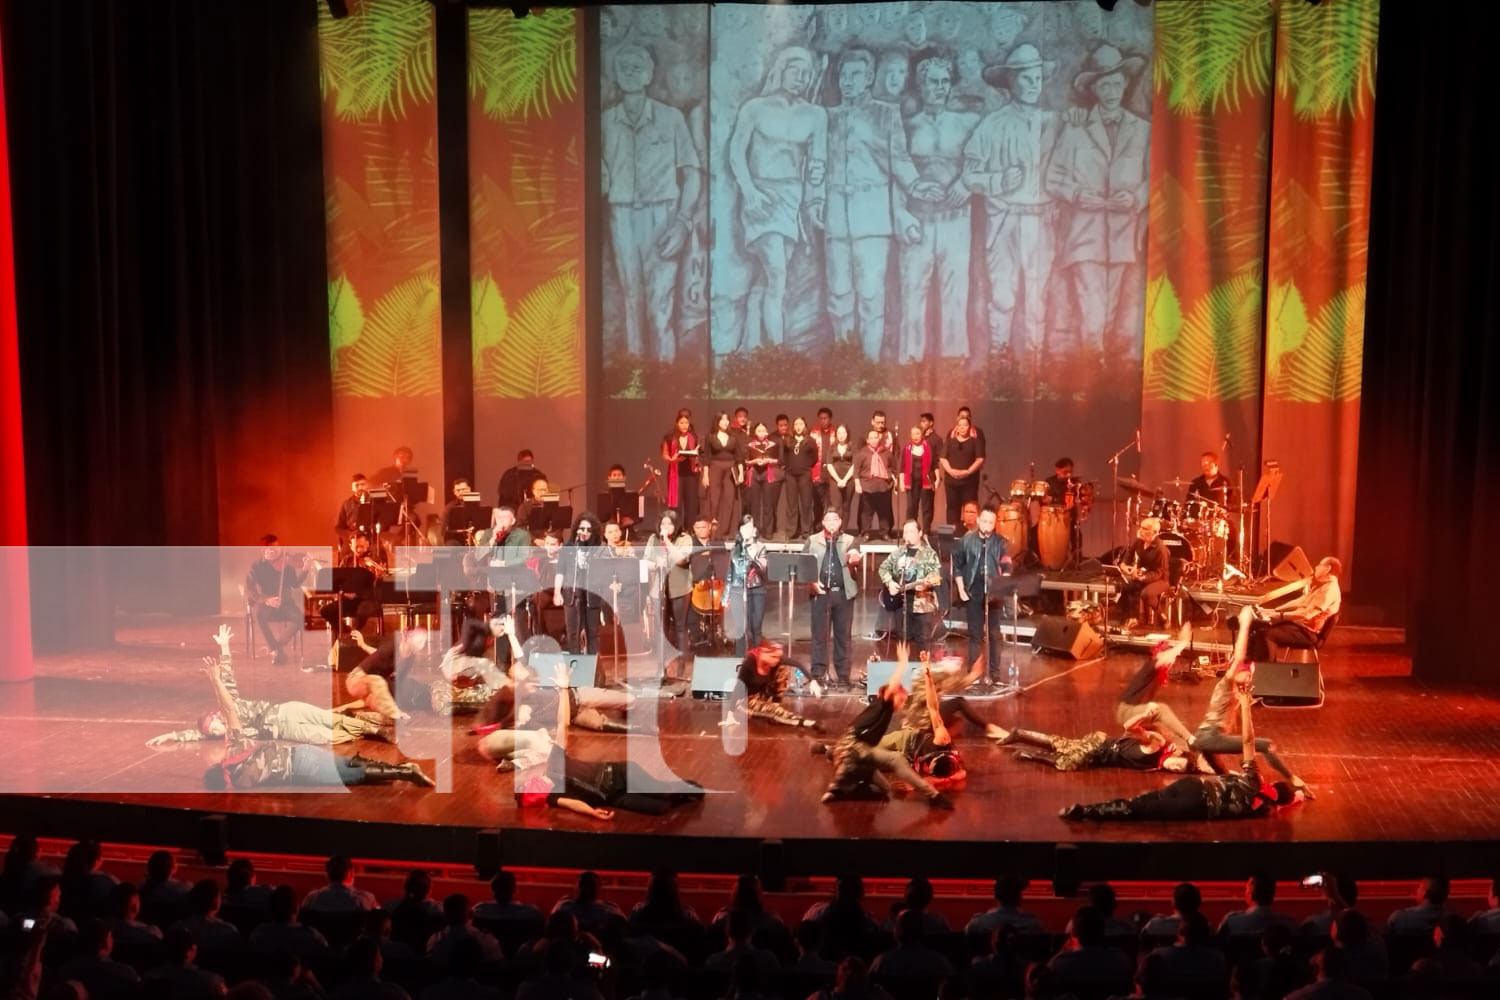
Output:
(1323, 123)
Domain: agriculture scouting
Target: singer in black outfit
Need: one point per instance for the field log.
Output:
(799, 457)
(581, 603)
(979, 560)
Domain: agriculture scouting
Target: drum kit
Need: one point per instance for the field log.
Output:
(1196, 530)
(1056, 524)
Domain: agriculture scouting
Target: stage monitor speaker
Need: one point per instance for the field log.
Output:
(583, 668)
(1055, 634)
(878, 672)
(1288, 683)
(1289, 563)
(714, 676)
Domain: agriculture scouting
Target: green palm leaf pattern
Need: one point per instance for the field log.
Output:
(345, 318)
(1214, 354)
(1163, 325)
(539, 353)
(521, 66)
(490, 319)
(398, 351)
(1286, 327)
(1211, 54)
(379, 60)
(1328, 63)
(1328, 364)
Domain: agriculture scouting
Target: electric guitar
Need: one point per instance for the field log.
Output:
(897, 601)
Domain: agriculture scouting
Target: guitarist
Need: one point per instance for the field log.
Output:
(911, 575)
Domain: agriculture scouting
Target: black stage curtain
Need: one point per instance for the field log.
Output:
(169, 235)
(1429, 484)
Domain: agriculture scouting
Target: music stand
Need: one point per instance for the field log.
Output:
(348, 580)
(549, 516)
(791, 567)
(1265, 492)
(618, 506)
(516, 583)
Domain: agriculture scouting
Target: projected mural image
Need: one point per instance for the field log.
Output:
(894, 193)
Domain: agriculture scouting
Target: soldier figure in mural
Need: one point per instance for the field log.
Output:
(869, 170)
(778, 153)
(936, 136)
(1005, 161)
(652, 177)
(1100, 169)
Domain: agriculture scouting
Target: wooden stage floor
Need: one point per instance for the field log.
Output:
(1394, 764)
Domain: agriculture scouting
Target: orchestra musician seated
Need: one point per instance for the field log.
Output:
(361, 604)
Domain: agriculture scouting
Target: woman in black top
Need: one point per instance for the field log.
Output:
(745, 588)
(570, 584)
(799, 456)
(597, 789)
(838, 472)
(722, 475)
(763, 478)
(963, 456)
(679, 449)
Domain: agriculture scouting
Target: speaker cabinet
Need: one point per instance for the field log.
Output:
(583, 668)
(1289, 563)
(1066, 637)
(1289, 683)
(714, 676)
(879, 672)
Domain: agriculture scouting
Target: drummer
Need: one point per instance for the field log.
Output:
(1061, 483)
(1213, 485)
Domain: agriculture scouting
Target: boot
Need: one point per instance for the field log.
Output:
(1113, 809)
(378, 772)
(1030, 736)
(614, 726)
(1042, 756)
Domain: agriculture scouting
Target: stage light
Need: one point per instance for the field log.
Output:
(338, 9)
(1106, 5)
(519, 10)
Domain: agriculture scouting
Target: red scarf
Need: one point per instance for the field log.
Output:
(917, 482)
(672, 449)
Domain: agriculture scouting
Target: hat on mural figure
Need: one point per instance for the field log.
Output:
(1104, 61)
(1023, 56)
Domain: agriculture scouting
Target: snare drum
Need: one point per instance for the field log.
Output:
(1052, 533)
(1010, 524)
(1019, 488)
(1169, 511)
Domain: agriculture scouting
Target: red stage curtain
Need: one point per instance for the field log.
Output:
(15, 591)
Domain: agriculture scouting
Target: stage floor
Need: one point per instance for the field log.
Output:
(1394, 764)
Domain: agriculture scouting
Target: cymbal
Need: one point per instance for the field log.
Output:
(1134, 485)
(1177, 482)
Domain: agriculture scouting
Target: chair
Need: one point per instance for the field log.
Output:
(250, 624)
(1303, 654)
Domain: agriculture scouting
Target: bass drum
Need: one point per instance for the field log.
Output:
(708, 596)
(1052, 533)
(1010, 524)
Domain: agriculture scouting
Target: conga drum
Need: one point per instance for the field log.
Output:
(1052, 536)
(1010, 524)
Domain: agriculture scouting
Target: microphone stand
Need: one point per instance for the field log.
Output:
(1114, 491)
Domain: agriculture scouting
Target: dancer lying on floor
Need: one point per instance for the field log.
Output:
(764, 677)
(468, 677)
(248, 764)
(294, 721)
(1239, 795)
(1147, 751)
(593, 788)
(1214, 736)
(503, 737)
(864, 757)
